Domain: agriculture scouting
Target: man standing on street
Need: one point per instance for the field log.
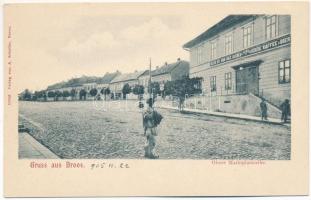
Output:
(151, 119)
(264, 109)
(285, 106)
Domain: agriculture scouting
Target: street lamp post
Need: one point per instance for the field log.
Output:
(141, 104)
(150, 78)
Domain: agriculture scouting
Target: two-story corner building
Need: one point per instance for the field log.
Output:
(170, 72)
(244, 54)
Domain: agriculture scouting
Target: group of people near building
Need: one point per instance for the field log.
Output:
(285, 109)
(152, 118)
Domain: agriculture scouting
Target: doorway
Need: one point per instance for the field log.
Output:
(247, 80)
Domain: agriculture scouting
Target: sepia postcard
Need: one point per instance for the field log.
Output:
(156, 99)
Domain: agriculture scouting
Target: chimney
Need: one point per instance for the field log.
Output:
(135, 70)
(157, 67)
(165, 63)
(178, 59)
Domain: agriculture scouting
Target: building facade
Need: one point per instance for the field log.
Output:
(117, 84)
(103, 83)
(244, 54)
(144, 79)
(89, 86)
(170, 72)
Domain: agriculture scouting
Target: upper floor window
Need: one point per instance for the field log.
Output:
(271, 27)
(229, 43)
(247, 36)
(200, 54)
(284, 71)
(213, 49)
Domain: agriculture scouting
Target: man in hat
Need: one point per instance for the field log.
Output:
(285, 107)
(151, 119)
(264, 109)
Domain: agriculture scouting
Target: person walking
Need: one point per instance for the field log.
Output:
(285, 107)
(264, 109)
(181, 102)
(151, 119)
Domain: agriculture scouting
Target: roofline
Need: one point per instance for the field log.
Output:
(208, 33)
(130, 79)
(124, 80)
(170, 69)
(160, 74)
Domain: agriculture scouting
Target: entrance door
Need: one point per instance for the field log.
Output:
(247, 80)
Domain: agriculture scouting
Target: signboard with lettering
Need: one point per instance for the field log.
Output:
(255, 49)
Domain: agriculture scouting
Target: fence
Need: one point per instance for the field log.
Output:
(225, 101)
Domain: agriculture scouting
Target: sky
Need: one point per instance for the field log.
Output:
(56, 43)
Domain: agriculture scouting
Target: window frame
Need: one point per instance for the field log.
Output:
(228, 81)
(249, 35)
(200, 54)
(229, 45)
(282, 80)
(275, 24)
(213, 49)
(213, 86)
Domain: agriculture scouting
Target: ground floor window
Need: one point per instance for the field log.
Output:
(284, 71)
(228, 81)
(213, 83)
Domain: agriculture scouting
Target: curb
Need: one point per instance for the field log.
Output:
(39, 149)
(24, 134)
(228, 116)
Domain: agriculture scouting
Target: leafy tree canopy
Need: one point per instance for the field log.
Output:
(138, 89)
(51, 94)
(93, 92)
(107, 91)
(73, 92)
(126, 89)
(154, 88)
(66, 93)
(183, 86)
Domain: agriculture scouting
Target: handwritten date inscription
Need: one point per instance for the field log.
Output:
(78, 165)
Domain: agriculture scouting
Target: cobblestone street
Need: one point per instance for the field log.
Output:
(114, 130)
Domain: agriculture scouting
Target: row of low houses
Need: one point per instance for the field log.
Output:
(84, 83)
(241, 54)
(167, 72)
(238, 59)
(116, 81)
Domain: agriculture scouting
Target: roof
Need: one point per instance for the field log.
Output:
(56, 86)
(169, 67)
(74, 82)
(90, 83)
(227, 22)
(108, 77)
(135, 75)
(119, 78)
(146, 73)
(128, 76)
